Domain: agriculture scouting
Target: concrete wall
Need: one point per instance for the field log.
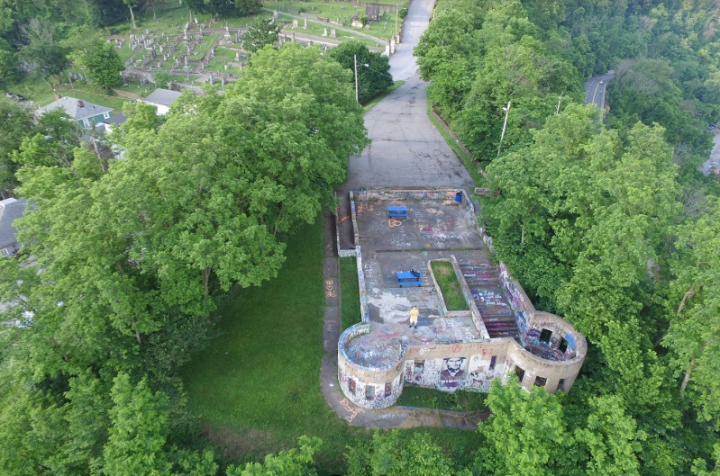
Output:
(368, 387)
(470, 365)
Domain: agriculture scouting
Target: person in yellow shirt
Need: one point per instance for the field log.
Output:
(414, 313)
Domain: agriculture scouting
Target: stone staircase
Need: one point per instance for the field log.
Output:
(494, 308)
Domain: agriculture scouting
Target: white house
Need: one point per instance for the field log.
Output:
(162, 99)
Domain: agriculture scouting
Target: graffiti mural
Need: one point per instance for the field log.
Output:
(452, 376)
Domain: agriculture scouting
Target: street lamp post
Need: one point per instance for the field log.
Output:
(357, 99)
(502, 136)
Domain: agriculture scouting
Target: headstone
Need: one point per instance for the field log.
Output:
(295, 24)
(342, 7)
(304, 23)
(324, 32)
(237, 37)
(226, 67)
(275, 14)
(332, 33)
(186, 63)
(293, 37)
(147, 32)
(237, 56)
(282, 7)
(196, 22)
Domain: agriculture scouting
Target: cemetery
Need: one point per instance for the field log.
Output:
(202, 48)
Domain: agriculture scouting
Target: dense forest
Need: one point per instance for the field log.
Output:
(607, 223)
(605, 220)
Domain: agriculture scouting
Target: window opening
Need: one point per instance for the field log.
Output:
(493, 361)
(540, 381)
(520, 373)
(369, 392)
(388, 389)
(563, 345)
(545, 335)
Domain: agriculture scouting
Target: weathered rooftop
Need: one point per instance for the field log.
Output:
(433, 229)
(164, 97)
(72, 108)
(10, 209)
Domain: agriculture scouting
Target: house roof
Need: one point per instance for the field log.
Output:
(117, 118)
(72, 108)
(10, 209)
(162, 97)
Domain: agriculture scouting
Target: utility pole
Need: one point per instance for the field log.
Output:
(356, 80)
(502, 136)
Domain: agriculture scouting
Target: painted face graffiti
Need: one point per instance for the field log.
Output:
(452, 373)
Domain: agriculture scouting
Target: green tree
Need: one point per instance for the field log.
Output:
(373, 69)
(15, 124)
(526, 433)
(101, 62)
(610, 439)
(8, 64)
(294, 462)
(694, 333)
(393, 454)
(260, 33)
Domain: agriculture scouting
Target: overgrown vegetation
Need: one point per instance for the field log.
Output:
(349, 293)
(459, 401)
(449, 286)
(606, 225)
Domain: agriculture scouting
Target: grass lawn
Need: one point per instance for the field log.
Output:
(459, 401)
(257, 386)
(41, 92)
(449, 285)
(317, 29)
(349, 293)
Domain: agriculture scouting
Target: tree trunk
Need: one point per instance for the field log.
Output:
(132, 17)
(688, 295)
(154, 14)
(686, 379)
(137, 333)
(275, 228)
(206, 280)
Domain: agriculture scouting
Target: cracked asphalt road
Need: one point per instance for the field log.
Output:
(406, 149)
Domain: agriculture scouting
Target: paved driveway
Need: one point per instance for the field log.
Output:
(402, 63)
(406, 149)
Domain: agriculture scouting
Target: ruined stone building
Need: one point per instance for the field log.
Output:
(500, 334)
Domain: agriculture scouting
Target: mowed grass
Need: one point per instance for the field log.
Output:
(257, 387)
(449, 285)
(349, 293)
